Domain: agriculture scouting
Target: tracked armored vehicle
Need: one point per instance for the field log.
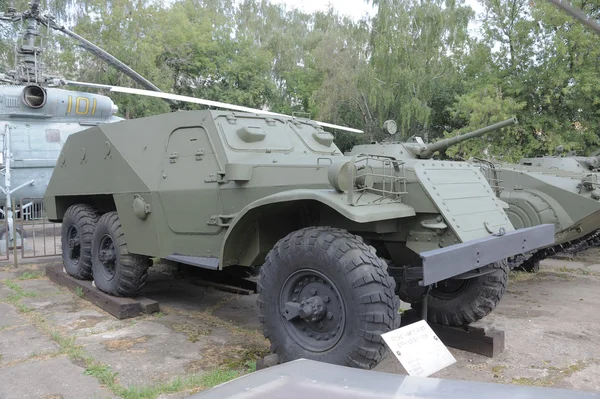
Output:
(534, 195)
(568, 162)
(220, 189)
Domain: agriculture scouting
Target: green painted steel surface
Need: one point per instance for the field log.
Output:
(228, 185)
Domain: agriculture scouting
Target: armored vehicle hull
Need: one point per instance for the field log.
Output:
(227, 190)
(536, 195)
(567, 163)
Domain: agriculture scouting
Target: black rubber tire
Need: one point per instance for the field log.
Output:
(478, 298)
(359, 275)
(83, 218)
(131, 270)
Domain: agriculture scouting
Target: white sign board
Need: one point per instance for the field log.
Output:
(418, 349)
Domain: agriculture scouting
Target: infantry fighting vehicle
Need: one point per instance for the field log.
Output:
(533, 195)
(568, 162)
(222, 189)
(536, 194)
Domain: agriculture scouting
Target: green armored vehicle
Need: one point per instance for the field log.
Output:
(568, 162)
(534, 195)
(221, 189)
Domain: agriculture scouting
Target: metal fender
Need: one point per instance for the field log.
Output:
(337, 201)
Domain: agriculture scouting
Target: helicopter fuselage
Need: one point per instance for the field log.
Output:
(39, 120)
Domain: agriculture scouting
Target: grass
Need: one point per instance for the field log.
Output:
(23, 308)
(102, 373)
(193, 332)
(19, 294)
(580, 271)
(245, 358)
(31, 275)
(538, 382)
(243, 362)
(194, 382)
(498, 369)
(79, 292)
(109, 378)
(557, 375)
(516, 276)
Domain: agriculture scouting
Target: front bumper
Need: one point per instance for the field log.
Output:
(443, 263)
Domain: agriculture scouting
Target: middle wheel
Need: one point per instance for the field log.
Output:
(116, 271)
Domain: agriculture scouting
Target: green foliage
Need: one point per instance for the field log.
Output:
(413, 61)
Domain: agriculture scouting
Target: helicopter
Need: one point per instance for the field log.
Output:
(36, 116)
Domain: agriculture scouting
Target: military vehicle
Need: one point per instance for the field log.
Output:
(569, 162)
(536, 194)
(533, 195)
(222, 189)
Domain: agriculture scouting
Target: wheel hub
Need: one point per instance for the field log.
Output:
(313, 310)
(107, 255)
(74, 244)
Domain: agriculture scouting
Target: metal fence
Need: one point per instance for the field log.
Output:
(35, 236)
(38, 236)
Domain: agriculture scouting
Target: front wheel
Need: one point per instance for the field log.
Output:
(456, 302)
(325, 295)
(116, 271)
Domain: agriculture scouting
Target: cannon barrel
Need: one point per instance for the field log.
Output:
(443, 144)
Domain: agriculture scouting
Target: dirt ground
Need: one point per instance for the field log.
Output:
(55, 344)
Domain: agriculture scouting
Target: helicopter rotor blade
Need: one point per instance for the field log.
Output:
(194, 100)
(217, 104)
(102, 54)
(577, 14)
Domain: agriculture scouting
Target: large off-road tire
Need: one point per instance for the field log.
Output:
(116, 271)
(78, 224)
(457, 302)
(352, 300)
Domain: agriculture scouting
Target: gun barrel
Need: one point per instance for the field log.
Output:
(443, 144)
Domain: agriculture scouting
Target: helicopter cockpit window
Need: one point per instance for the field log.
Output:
(52, 135)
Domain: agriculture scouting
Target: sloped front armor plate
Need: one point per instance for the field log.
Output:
(464, 198)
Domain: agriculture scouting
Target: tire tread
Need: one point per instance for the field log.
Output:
(366, 274)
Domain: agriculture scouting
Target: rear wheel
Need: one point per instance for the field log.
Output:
(325, 295)
(77, 228)
(116, 271)
(456, 302)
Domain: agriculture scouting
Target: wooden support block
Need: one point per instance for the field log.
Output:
(147, 305)
(121, 308)
(488, 343)
(480, 337)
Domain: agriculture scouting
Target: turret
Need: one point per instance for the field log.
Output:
(569, 162)
(427, 150)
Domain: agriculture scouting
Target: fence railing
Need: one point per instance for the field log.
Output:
(34, 236)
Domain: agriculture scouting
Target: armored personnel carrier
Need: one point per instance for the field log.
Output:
(533, 195)
(222, 189)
